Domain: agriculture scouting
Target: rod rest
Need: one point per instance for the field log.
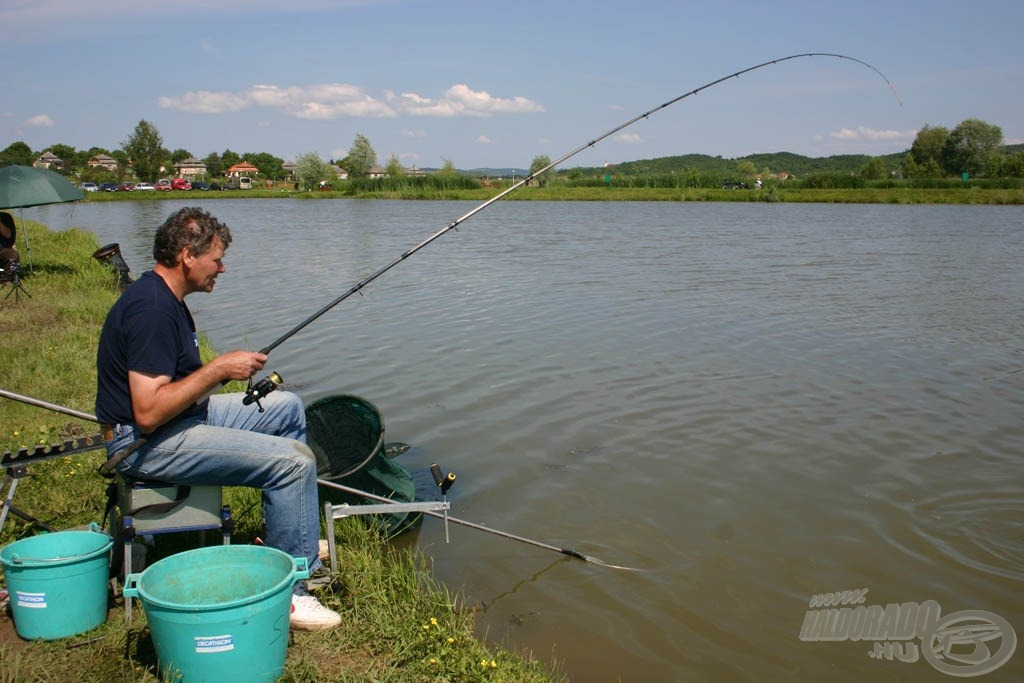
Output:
(25, 456)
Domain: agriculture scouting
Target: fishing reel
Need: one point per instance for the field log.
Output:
(254, 393)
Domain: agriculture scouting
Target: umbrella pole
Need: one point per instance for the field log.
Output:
(24, 233)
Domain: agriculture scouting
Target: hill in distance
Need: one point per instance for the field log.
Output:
(775, 162)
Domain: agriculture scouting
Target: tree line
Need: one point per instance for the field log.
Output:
(142, 156)
(974, 147)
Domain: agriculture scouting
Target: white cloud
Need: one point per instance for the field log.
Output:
(484, 140)
(480, 102)
(872, 135)
(41, 120)
(629, 138)
(418, 133)
(204, 102)
(342, 100)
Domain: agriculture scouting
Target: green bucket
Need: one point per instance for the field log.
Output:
(57, 582)
(219, 613)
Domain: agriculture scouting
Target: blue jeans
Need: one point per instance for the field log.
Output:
(236, 445)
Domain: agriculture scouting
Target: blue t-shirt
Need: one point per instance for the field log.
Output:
(148, 330)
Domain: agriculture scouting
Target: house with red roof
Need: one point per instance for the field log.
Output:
(241, 169)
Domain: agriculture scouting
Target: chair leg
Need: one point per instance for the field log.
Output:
(128, 536)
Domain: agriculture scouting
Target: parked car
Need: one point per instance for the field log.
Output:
(126, 187)
(89, 187)
(144, 186)
(199, 185)
(180, 184)
(164, 184)
(108, 187)
(214, 187)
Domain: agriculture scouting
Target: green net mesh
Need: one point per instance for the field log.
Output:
(345, 432)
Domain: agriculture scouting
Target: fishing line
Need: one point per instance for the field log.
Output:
(569, 552)
(359, 286)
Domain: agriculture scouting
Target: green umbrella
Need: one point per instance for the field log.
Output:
(23, 186)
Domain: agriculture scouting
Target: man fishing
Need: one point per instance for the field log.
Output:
(8, 238)
(158, 417)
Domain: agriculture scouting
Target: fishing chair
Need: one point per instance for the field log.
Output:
(149, 508)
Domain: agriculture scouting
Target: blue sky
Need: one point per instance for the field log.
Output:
(496, 84)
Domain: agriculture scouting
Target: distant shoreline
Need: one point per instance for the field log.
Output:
(896, 195)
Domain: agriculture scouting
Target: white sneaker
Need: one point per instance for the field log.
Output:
(309, 615)
(323, 550)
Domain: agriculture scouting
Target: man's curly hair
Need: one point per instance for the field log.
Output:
(190, 227)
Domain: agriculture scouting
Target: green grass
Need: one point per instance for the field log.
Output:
(399, 624)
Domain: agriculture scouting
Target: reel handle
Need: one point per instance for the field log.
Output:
(254, 393)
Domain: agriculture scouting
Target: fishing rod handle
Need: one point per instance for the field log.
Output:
(444, 482)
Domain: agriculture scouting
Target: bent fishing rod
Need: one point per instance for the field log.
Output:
(359, 286)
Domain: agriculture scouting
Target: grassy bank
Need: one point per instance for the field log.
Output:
(398, 626)
(561, 192)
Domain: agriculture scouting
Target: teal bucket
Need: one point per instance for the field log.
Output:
(219, 613)
(57, 582)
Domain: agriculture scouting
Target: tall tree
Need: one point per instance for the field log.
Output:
(909, 167)
(145, 148)
(928, 144)
(270, 166)
(537, 164)
(180, 155)
(874, 169)
(214, 165)
(361, 157)
(17, 154)
(229, 159)
(970, 146)
(746, 169)
(310, 169)
(394, 167)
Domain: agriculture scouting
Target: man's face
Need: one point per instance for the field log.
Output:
(201, 271)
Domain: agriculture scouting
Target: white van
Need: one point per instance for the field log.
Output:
(245, 183)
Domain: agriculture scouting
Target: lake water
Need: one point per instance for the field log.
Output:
(752, 403)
